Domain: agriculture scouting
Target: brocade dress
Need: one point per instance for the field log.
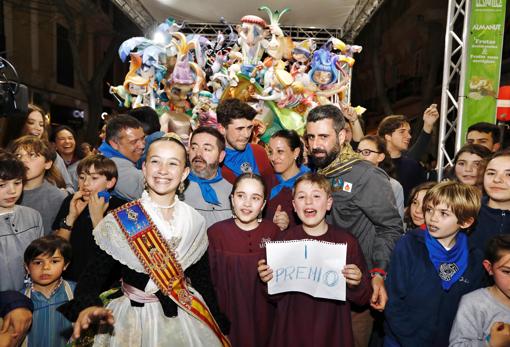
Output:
(159, 321)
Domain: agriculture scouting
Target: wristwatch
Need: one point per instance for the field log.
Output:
(64, 225)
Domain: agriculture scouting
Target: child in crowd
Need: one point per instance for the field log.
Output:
(494, 217)
(41, 188)
(35, 123)
(19, 225)
(45, 260)
(484, 315)
(235, 246)
(413, 216)
(430, 270)
(469, 164)
(81, 212)
(300, 319)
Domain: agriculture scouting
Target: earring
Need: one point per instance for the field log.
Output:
(180, 189)
(259, 217)
(27, 281)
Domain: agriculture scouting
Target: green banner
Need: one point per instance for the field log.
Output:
(485, 43)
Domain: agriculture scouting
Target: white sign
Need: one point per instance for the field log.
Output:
(307, 266)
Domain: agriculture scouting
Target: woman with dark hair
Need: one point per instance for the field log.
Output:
(285, 151)
(32, 123)
(65, 144)
(469, 165)
(35, 123)
(373, 149)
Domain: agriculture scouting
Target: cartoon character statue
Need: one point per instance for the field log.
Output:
(279, 47)
(325, 74)
(187, 78)
(252, 41)
(301, 55)
(141, 84)
(204, 112)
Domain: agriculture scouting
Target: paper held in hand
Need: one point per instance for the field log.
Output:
(308, 266)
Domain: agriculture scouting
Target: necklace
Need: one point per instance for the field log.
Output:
(164, 206)
(147, 197)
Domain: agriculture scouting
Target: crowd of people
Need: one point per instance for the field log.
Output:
(149, 241)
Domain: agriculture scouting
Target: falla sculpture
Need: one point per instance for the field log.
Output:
(185, 77)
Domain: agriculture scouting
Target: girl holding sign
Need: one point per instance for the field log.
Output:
(235, 246)
(300, 319)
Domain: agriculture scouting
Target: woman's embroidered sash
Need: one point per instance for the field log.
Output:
(160, 262)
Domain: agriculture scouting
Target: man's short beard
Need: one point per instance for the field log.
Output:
(320, 163)
(206, 173)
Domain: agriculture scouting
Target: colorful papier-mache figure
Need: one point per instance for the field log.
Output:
(185, 77)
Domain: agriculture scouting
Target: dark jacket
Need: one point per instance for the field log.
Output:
(490, 222)
(364, 204)
(419, 312)
(11, 300)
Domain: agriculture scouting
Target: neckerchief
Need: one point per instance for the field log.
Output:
(110, 152)
(207, 191)
(159, 261)
(241, 161)
(288, 183)
(342, 162)
(450, 264)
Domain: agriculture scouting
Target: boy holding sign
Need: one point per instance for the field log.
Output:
(300, 319)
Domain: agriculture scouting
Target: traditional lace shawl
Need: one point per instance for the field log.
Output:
(185, 234)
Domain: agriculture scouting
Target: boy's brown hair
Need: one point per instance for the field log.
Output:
(391, 123)
(33, 144)
(314, 178)
(11, 168)
(102, 166)
(463, 200)
(47, 245)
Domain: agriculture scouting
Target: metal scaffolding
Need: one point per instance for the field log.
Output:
(356, 21)
(136, 12)
(320, 35)
(452, 91)
(359, 17)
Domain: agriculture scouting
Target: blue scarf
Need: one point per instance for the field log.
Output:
(207, 191)
(110, 152)
(452, 264)
(241, 161)
(288, 183)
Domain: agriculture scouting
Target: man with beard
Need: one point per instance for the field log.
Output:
(208, 192)
(236, 124)
(363, 203)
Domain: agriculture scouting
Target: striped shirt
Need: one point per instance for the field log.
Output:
(49, 327)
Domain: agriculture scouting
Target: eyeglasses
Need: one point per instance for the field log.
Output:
(366, 152)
